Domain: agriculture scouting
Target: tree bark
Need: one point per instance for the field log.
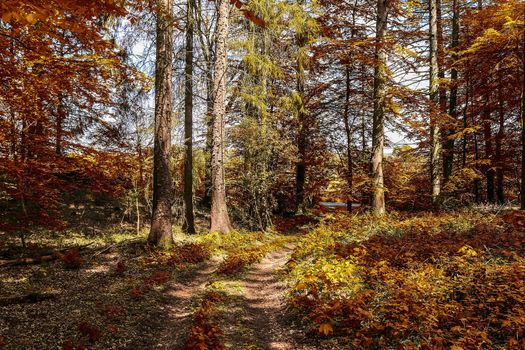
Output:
(160, 232)
(189, 219)
(522, 117)
(300, 167)
(206, 199)
(435, 144)
(378, 134)
(448, 154)
(465, 123)
(350, 165)
(60, 117)
(487, 135)
(477, 182)
(207, 47)
(500, 196)
(220, 221)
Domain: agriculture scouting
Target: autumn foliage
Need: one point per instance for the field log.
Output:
(204, 334)
(70, 258)
(429, 282)
(56, 76)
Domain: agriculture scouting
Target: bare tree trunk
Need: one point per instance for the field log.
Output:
(477, 182)
(208, 55)
(206, 199)
(499, 156)
(435, 144)
(61, 116)
(378, 133)
(487, 135)
(160, 233)
(350, 165)
(465, 123)
(189, 219)
(441, 63)
(137, 208)
(448, 154)
(220, 221)
(300, 167)
(522, 117)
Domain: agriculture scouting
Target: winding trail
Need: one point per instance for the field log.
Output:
(258, 317)
(254, 316)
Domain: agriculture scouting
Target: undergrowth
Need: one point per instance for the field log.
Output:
(431, 281)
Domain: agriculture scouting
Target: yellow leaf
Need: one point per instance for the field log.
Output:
(326, 329)
(31, 18)
(455, 347)
(300, 286)
(467, 250)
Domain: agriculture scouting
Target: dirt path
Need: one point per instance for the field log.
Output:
(258, 317)
(167, 326)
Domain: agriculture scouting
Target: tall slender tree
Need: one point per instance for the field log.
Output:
(522, 118)
(189, 219)
(348, 134)
(500, 193)
(448, 154)
(489, 156)
(220, 220)
(205, 37)
(160, 232)
(378, 133)
(300, 167)
(435, 142)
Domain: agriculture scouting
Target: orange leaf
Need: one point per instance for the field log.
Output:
(326, 329)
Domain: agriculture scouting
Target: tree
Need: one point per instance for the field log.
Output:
(189, 224)
(204, 26)
(435, 142)
(160, 232)
(522, 118)
(448, 147)
(57, 73)
(220, 220)
(300, 167)
(378, 133)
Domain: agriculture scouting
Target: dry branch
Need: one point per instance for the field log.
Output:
(39, 259)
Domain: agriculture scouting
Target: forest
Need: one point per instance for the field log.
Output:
(262, 174)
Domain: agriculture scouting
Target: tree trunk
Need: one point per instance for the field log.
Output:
(448, 154)
(189, 220)
(350, 165)
(60, 117)
(477, 182)
(378, 134)
(435, 146)
(487, 135)
(220, 221)
(160, 233)
(465, 123)
(206, 45)
(522, 117)
(208, 56)
(206, 199)
(300, 167)
(499, 156)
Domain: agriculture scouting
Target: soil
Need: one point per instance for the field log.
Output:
(166, 327)
(259, 315)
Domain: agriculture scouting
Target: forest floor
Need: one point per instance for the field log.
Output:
(116, 295)
(454, 280)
